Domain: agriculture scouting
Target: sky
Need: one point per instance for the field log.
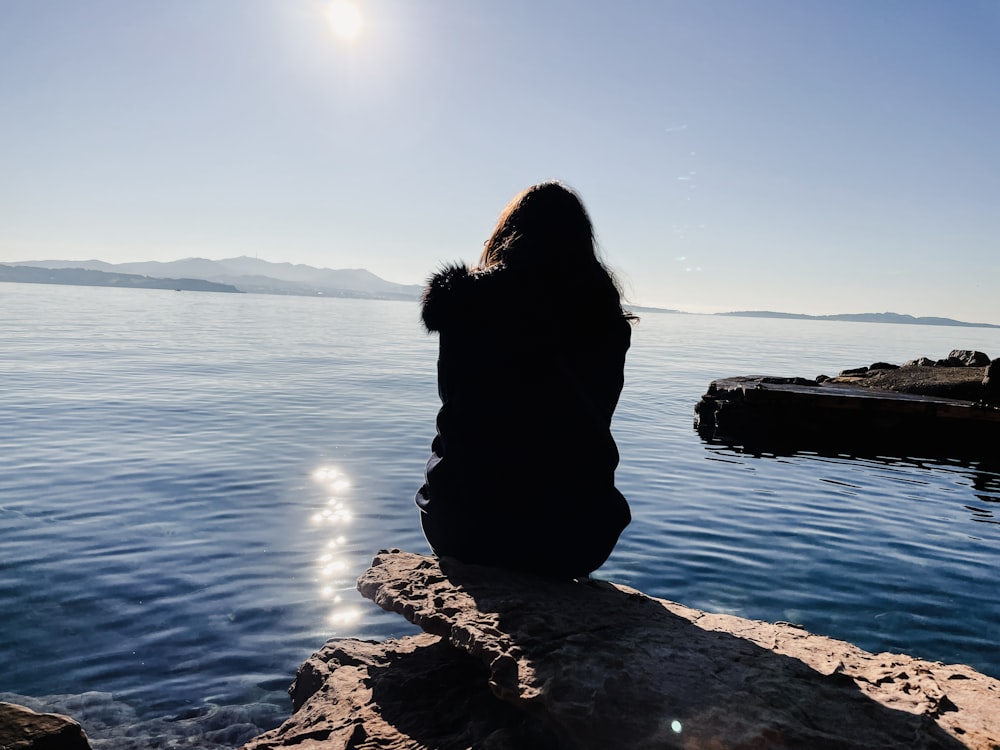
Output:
(806, 156)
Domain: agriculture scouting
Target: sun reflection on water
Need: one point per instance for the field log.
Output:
(333, 567)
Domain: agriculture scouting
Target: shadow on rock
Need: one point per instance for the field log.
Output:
(605, 666)
(440, 698)
(513, 662)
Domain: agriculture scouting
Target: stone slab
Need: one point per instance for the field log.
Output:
(607, 666)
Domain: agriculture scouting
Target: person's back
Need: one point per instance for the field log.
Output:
(529, 373)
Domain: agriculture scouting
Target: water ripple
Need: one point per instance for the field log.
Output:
(170, 535)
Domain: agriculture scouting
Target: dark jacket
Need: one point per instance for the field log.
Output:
(521, 473)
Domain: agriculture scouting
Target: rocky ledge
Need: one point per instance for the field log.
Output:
(944, 408)
(513, 661)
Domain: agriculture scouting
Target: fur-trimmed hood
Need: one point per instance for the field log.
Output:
(456, 292)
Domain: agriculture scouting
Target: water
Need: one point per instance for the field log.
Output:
(191, 483)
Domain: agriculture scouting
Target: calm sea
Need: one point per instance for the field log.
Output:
(190, 484)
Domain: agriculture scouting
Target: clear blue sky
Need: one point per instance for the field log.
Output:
(813, 156)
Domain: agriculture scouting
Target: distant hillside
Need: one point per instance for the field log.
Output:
(258, 276)
(886, 317)
(640, 309)
(85, 277)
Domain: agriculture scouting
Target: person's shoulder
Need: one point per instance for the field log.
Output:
(456, 292)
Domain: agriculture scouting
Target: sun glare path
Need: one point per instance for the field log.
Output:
(335, 571)
(345, 19)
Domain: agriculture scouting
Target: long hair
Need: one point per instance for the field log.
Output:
(546, 228)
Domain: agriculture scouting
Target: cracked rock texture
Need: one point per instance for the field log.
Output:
(24, 729)
(513, 661)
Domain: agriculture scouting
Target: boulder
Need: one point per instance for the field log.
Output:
(969, 358)
(24, 729)
(920, 362)
(514, 661)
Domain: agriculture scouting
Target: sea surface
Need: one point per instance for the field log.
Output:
(190, 483)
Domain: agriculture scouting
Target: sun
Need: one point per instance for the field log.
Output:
(345, 19)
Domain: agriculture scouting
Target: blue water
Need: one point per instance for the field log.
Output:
(190, 484)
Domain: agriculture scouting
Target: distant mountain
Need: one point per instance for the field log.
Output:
(245, 274)
(640, 309)
(886, 317)
(257, 276)
(87, 277)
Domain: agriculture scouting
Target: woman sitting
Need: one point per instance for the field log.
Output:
(532, 352)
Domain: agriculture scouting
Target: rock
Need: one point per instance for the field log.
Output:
(24, 729)
(956, 382)
(969, 358)
(928, 412)
(114, 725)
(596, 665)
(923, 409)
(417, 692)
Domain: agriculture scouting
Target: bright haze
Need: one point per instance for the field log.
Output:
(808, 157)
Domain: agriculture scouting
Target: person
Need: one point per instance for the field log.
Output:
(530, 368)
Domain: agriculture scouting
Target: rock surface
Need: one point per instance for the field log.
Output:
(596, 665)
(958, 376)
(963, 383)
(24, 729)
(417, 692)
